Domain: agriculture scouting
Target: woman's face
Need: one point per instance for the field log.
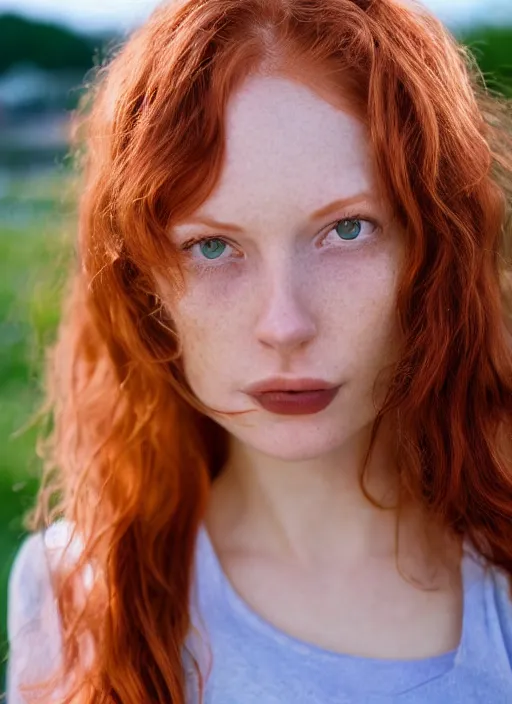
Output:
(298, 278)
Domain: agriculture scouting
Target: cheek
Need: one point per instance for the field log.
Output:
(214, 304)
(359, 304)
(198, 343)
(210, 320)
(364, 281)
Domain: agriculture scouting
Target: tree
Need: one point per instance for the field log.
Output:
(46, 45)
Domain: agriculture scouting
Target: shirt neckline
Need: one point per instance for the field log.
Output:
(431, 668)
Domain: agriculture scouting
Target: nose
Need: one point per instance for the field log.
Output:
(285, 322)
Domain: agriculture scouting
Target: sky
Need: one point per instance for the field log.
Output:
(121, 15)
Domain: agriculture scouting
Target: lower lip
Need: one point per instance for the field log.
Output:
(296, 404)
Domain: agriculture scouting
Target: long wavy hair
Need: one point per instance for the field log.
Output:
(132, 454)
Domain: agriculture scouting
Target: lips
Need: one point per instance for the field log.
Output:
(293, 396)
(287, 384)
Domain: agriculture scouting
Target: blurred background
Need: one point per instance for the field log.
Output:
(47, 48)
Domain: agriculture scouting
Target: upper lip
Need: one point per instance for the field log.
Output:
(277, 383)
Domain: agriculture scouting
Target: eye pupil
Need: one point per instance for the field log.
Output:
(348, 229)
(212, 248)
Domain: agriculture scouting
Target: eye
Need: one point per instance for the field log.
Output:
(350, 229)
(206, 248)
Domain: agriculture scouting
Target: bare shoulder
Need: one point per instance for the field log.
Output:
(33, 622)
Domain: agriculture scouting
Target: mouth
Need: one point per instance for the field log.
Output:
(294, 397)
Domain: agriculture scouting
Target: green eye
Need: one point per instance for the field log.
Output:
(348, 229)
(212, 248)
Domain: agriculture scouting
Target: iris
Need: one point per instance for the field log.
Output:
(212, 248)
(348, 229)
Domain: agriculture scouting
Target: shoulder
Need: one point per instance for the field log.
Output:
(28, 583)
(33, 624)
(502, 592)
(30, 575)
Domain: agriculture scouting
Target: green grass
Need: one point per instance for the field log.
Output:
(32, 269)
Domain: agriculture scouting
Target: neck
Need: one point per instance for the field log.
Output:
(312, 510)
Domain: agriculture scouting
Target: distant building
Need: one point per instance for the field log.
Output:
(34, 115)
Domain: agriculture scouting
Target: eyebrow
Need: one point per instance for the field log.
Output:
(338, 204)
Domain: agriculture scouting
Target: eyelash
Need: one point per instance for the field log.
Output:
(209, 263)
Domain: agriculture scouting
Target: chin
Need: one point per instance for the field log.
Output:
(294, 441)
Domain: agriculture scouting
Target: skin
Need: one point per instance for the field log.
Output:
(289, 296)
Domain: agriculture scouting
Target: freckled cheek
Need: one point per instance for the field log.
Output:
(210, 320)
(358, 303)
(357, 281)
(215, 300)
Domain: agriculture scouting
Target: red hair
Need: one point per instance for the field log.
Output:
(132, 453)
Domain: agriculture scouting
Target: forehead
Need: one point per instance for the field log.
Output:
(287, 145)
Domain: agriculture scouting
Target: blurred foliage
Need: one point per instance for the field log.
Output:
(46, 45)
(35, 252)
(492, 48)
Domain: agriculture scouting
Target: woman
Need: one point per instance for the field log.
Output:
(282, 386)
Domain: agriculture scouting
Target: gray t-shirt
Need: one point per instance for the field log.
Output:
(249, 661)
